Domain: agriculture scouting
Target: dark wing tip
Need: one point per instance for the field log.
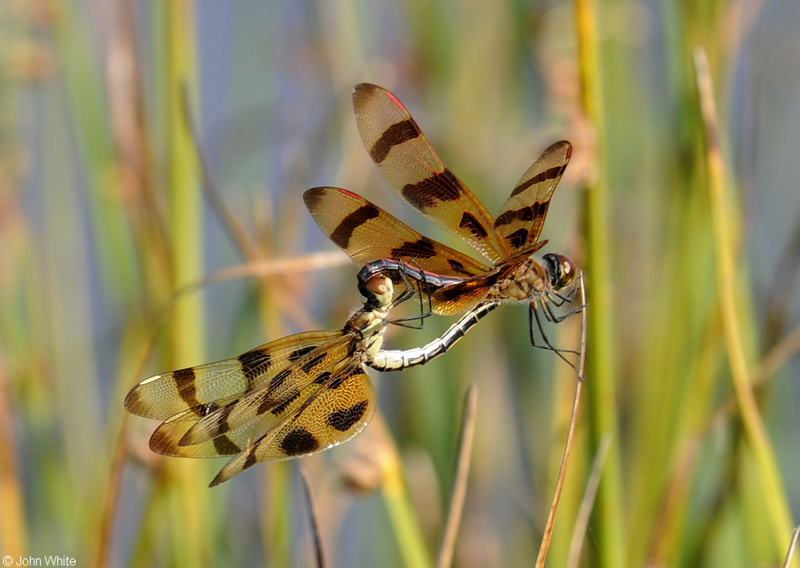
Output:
(562, 146)
(311, 196)
(366, 88)
(365, 91)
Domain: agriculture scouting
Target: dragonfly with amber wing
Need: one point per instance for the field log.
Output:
(288, 398)
(453, 281)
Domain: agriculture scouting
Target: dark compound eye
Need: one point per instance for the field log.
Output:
(560, 270)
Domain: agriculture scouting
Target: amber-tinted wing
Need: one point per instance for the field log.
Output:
(411, 167)
(201, 389)
(521, 218)
(309, 393)
(366, 233)
(337, 411)
(457, 298)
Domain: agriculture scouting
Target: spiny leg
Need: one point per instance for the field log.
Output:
(558, 299)
(546, 302)
(421, 290)
(533, 316)
(555, 298)
(408, 291)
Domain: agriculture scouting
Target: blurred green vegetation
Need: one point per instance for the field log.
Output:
(687, 228)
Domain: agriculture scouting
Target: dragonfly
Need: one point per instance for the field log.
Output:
(289, 398)
(453, 281)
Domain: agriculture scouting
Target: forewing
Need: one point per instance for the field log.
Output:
(411, 167)
(366, 233)
(200, 388)
(521, 218)
(339, 410)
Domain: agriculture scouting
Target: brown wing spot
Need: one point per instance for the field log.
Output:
(343, 420)
(297, 353)
(223, 421)
(522, 214)
(551, 173)
(517, 238)
(254, 363)
(396, 134)
(184, 380)
(427, 193)
(312, 197)
(278, 380)
(270, 403)
(422, 248)
(282, 406)
(539, 210)
(299, 441)
(337, 382)
(540, 177)
(471, 223)
(225, 446)
(458, 267)
(251, 459)
(324, 376)
(505, 218)
(313, 363)
(344, 231)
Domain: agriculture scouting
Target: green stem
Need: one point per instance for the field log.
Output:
(185, 206)
(600, 376)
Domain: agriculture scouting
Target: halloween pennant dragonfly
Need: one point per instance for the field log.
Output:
(454, 281)
(288, 398)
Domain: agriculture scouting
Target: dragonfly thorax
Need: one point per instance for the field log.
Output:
(534, 277)
(527, 279)
(369, 320)
(367, 325)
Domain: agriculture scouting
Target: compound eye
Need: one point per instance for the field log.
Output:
(560, 270)
(381, 288)
(378, 285)
(566, 271)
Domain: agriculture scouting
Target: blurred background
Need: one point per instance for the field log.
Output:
(117, 262)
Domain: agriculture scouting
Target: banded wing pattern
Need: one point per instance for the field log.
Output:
(367, 232)
(288, 398)
(409, 165)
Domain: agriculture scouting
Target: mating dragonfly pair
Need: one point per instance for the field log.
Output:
(310, 391)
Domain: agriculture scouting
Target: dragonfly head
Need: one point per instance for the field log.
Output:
(378, 289)
(560, 270)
